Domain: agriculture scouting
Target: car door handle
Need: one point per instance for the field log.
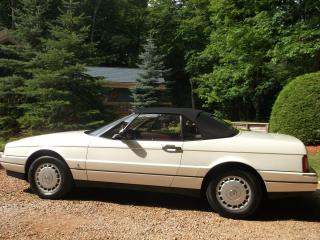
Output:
(171, 148)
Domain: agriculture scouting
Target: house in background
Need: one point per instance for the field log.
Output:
(120, 80)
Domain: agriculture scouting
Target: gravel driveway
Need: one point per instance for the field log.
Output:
(121, 214)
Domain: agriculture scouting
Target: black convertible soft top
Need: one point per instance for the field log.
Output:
(209, 127)
(189, 113)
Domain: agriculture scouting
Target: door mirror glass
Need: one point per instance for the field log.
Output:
(117, 136)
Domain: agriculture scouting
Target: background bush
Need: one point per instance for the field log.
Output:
(297, 109)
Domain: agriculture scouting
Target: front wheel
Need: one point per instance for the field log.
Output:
(234, 194)
(49, 177)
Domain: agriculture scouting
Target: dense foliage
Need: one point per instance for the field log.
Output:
(60, 96)
(255, 46)
(118, 27)
(12, 76)
(296, 110)
(232, 56)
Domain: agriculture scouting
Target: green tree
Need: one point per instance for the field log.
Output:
(240, 82)
(13, 61)
(6, 13)
(255, 46)
(298, 49)
(193, 32)
(148, 91)
(163, 22)
(60, 96)
(27, 18)
(31, 21)
(118, 28)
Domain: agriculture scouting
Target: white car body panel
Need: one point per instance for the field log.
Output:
(63, 139)
(250, 142)
(276, 157)
(132, 158)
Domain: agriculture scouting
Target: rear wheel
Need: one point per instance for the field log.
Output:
(49, 177)
(234, 194)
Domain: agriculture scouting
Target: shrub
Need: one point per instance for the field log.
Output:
(297, 109)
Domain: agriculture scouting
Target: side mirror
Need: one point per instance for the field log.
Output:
(117, 136)
(128, 134)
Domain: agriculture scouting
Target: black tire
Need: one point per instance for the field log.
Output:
(234, 194)
(58, 170)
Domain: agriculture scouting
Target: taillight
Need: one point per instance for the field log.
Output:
(305, 164)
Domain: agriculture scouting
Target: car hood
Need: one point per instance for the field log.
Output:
(74, 138)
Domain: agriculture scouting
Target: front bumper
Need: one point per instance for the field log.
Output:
(12, 163)
(290, 181)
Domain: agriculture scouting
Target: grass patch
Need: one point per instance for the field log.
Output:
(314, 161)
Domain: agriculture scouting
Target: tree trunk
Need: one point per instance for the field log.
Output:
(191, 93)
(317, 61)
(94, 17)
(13, 19)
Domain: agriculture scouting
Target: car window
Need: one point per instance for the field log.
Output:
(190, 131)
(155, 127)
(213, 128)
(111, 125)
(118, 127)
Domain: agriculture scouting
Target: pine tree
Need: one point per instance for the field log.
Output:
(13, 60)
(31, 21)
(60, 95)
(28, 26)
(148, 91)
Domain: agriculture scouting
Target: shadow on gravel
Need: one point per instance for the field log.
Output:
(140, 198)
(303, 208)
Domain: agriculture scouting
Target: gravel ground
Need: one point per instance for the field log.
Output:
(121, 214)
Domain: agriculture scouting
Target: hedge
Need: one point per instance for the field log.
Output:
(297, 109)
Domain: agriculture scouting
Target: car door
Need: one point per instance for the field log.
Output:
(191, 161)
(148, 154)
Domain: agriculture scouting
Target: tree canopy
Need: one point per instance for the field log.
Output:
(255, 46)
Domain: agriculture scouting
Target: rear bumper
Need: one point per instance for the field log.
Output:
(290, 181)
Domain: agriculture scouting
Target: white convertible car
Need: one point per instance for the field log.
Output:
(171, 148)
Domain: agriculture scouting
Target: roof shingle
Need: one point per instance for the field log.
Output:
(116, 74)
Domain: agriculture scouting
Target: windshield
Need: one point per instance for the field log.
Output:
(105, 128)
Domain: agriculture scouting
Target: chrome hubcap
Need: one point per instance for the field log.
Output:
(48, 178)
(233, 193)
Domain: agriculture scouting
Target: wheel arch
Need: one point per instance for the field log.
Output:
(231, 166)
(40, 153)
